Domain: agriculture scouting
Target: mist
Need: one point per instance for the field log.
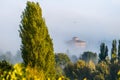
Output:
(90, 20)
(10, 57)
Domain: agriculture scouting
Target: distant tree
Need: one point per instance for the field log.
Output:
(78, 71)
(37, 46)
(61, 59)
(103, 52)
(82, 70)
(89, 56)
(119, 50)
(17, 57)
(69, 71)
(73, 58)
(114, 51)
(3, 57)
(106, 52)
(7, 57)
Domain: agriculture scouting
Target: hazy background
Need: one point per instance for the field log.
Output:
(93, 21)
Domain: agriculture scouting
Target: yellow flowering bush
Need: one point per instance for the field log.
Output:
(63, 78)
(18, 72)
(34, 74)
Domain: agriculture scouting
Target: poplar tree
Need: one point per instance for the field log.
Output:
(103, 52)
(119, 50)
(37, 47)
(114, 51)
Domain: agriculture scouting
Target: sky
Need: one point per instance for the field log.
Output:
(93, 21)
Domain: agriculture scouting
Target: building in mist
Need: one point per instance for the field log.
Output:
(76, 42)
(75, 46)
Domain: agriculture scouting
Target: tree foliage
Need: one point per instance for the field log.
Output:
(37, 46)
(39, 59)
(114, 68)
(114, 51)
(78, 71)
(103, 52)
(89, 56)
(4, 65)
(61, 59)
(104, 69)
(119, 50)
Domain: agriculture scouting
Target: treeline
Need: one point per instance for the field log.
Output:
(91, 66)
(40, 62)
(10, 57)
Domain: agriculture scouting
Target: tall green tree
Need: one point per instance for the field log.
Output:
(114, 51)
(119, 50)
(37, 46)
(103, 52)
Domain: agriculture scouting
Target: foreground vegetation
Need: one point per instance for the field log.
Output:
(40, 62)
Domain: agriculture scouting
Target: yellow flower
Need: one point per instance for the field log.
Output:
(118, 72)
(23, 78)
(48, 78)
(85, 79)
(60, 78)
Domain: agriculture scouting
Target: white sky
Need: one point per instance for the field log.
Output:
(87, 19)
